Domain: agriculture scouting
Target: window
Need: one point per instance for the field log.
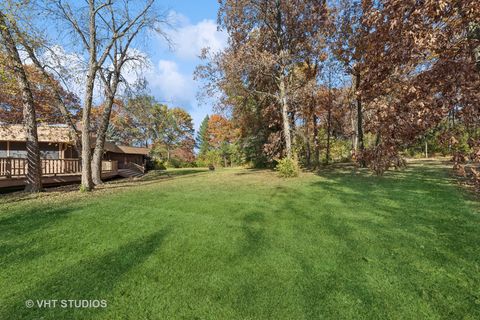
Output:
(49, 154)
(18, 153)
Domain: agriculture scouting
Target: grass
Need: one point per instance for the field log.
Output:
(245, 244)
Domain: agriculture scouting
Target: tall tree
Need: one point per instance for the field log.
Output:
(97, 43)
(34, 169)
(421, 67)
(349, 47)
(141, 21)
(222, 135)
(267, 40)
(202, 137)
(172, 129)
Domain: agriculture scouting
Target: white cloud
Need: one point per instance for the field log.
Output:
(189, 39)
(174, 86)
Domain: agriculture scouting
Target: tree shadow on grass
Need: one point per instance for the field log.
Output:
(94, 278)
(411, 227)
(28, 221)
(155, 178)
(159, 174)
(250, 171)
(254, 232)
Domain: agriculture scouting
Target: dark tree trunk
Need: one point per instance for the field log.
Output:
(360, 144)
(307, 145)
(316, 144)
(329, 130)
(34, 168)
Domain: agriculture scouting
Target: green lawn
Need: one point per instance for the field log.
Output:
(244, 244)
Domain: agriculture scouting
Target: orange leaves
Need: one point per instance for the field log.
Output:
(221, 130)
(11, 107)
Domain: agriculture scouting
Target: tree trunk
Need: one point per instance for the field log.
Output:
(307, 145)
(426, 148)
(285, 119)
(360, 144)
(316, 144)
(67, 117)
(34, 167)
(354, 130)
(102, 130)
(100, 143)
(329, 129)
(87, 183)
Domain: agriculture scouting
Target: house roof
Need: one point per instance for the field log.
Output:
(59, 133)
(17, 132)
(111, 147)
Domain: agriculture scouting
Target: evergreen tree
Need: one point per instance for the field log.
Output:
(202, 137)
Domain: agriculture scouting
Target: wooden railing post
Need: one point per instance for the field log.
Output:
(8, 167)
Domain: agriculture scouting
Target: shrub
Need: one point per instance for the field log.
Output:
(158, 164)
(287, 168)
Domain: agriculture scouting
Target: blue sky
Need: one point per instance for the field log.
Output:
(171, 80)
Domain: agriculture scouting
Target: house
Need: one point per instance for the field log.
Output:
(60, 160)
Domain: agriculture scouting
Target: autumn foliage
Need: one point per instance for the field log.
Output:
(381, 77)
(11, 108)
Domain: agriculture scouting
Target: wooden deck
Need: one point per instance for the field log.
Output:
(54, 171)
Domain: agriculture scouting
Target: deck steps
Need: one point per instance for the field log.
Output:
(129, 173)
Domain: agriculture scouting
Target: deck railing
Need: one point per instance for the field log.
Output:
(17, 167)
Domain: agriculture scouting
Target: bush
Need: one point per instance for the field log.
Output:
(287, 168)
(158, 164)
(173, 163)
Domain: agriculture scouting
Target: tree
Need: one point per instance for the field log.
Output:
(121, 55)
(34, 168)
(267, 40)
(222, 136)
(172, 130)
(97, 43)
(411, 50)
(349, 47)
(202, 137)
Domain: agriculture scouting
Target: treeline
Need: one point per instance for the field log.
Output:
(365, 80)
(144, 122)
(218, 143)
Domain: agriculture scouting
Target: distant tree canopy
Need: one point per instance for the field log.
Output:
(222, 140)
(142, 121)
